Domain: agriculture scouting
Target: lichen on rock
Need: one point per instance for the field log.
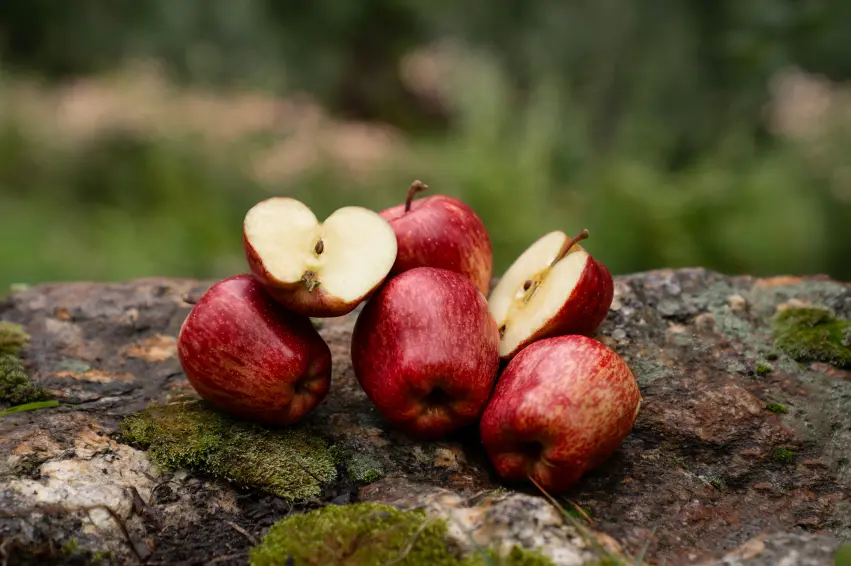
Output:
(15, 385)
(813, 334)
(372, 534)
(290, 463)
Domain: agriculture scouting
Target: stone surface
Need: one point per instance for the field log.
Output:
(709, 475)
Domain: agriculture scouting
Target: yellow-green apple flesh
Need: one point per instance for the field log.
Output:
(441, 231)
(554, 288)
(249, 356)
(561, 407)
(317, 269)
(425, 351)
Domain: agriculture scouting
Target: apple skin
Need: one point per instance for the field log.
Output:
(297, 297)
(561, 407)
(444, 232)
(583, 312)
(247, 355)
(425, 350)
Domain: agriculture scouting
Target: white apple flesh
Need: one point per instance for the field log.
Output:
(554, 288)
(317, 269)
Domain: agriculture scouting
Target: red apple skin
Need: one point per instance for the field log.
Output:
(584, 311)
(442, 231)
(425, 329)
(562, 406)
(249, 356)
(297, 297)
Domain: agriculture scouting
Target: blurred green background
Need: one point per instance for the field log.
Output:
(135, 135)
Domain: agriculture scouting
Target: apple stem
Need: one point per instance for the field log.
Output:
(565, 249)
(319, 247)
(416, 187)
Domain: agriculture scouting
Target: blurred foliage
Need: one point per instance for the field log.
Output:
(644, 121)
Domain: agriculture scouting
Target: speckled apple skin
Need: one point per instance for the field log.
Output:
(297, 297)
(562, 406)
(427, 328)
(583, 312)
(442, 231)
(246, 354)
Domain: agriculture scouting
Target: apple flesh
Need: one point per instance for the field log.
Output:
(554, 288)
(561, 407)
(425, 351)
(441, 231)
(317, 269)
(249, 356)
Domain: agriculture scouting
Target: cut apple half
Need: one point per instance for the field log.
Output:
(554, 288)
(318, 269)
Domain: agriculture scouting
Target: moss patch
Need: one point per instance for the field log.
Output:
(776, 408)
(289, 463)
(15, 386)
(364, 468)
(13, 339)
(371, 534)
(813, 334)
(763, 368)
(784, 455)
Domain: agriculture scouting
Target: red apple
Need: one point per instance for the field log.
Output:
(246, 354)
(317, 269)
(425, 351)
(561, 407)
(554, 288)
(441, 231)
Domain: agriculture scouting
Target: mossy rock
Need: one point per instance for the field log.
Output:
(290, 463)
(371, 534)
(813, 334)
(15, 386)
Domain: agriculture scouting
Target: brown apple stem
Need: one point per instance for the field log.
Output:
(416, 187)
(565, 249)
(319, 247)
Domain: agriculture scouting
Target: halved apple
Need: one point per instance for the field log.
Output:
(317, 269)
(554, 288)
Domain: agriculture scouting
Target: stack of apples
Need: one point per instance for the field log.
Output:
(432, 348)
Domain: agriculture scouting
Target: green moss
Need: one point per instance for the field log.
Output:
(813, 334)
(70, 547)
(289, 463)
(15, 386)
(784, 455)
(13, 338)
(763, 368)
(364, 468)
(776, 408)
(371, 534)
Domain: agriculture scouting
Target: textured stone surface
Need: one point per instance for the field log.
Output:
(709, 474)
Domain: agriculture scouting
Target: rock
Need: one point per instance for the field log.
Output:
(740, 454)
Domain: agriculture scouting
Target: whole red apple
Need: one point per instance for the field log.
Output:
(425, 351)
(554, 288)
(246, 354)
(561, 407)
(441, 231)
